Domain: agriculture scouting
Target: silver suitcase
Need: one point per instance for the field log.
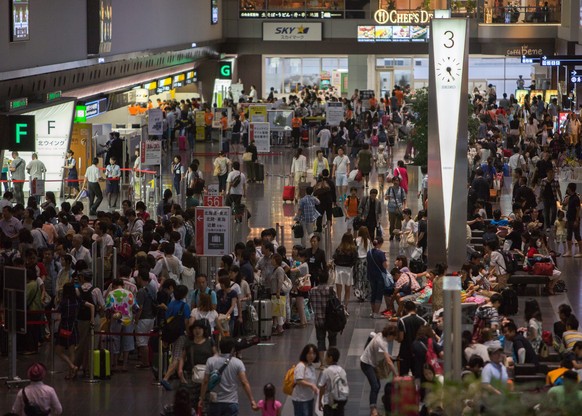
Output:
(264, 326)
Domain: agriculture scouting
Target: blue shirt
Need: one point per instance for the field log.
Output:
(174, 309)
(308, 213)
(500, 223)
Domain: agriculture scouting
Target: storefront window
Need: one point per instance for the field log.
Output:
(284, 74)
(253, 5)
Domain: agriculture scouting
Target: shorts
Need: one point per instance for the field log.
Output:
(144, 326)
(121, 343)
(341, 179)
(561, 238)
(178, 347)
(344, 275)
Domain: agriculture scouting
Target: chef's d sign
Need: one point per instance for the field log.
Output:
(225, 70)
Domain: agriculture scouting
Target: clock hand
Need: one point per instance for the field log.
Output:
(449, 70)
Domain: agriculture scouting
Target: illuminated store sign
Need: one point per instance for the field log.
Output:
(291, 14)
(406, 18)
(393, 33)
(524, 50)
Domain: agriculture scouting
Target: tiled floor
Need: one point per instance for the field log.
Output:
(133, 393)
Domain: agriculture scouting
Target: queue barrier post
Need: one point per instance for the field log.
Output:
(53, 331)
(92, 379)
(160, 358)
(114, 263)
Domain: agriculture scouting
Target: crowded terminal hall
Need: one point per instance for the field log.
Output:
(290, 208)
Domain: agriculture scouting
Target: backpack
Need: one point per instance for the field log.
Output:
(560, 286)
(32, 409)
(374, 140)
(335, 315)
(382, 138)
(340, 390)
(289, 381)
(511, 265)
(173, 327)
(235, 181)
(509, 302)
(86, 296)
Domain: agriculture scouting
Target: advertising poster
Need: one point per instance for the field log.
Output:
(335, 113)
(336, 79)
(291, 31)
(258, 114)
(261, 134)
(155, 122)
(53, 130)
(19, 23)
(520, 96)
(151, 152)
(200, 125)
(345, 77)
(213, 225)
(81, 145)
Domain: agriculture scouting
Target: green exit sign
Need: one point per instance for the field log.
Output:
(17, 104)
(80, 114)
(51, 96)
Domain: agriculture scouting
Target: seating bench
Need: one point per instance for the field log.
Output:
(524, 278)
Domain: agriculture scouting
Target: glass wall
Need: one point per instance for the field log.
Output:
(284, 73)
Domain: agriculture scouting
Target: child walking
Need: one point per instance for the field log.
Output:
(560, 233)
(269, 406)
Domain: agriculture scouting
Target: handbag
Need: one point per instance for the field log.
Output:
(543, 269)
(304, 283)
(416, 253)
(383, 370)
(198, 372)
(337, 212)
(432, 359)
(297, 230)
(287, 285)
(224, 320)
(247, 157)
(45, 298)
(65, 333)
(387, 277)
(216, 171)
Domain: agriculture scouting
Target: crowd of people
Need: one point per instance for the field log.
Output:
(158, 280)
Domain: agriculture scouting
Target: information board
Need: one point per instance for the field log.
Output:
(261, 134)
(213, 225)
(334, 113)
(151, 152)
(155, 122)
(258, 114)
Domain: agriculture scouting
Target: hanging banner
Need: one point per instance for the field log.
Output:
(213, 225)
(151, 152)
(335, 113)
(155, 122)
(258, 114)
(261, 134)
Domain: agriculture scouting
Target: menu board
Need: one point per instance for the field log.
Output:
(393, 34)
(19, 21)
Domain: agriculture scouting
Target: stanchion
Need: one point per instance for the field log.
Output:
(53, 332)
(92, 379)
(160, 360)
(114, 263)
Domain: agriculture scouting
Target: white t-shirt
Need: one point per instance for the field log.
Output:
(341, 164)
(326, 380)
(374, 352)
(236, 190)
(324, 136)
(362, 249)
(307, 373)
(516, 161)
(210, 315)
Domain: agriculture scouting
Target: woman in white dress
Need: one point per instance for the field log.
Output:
(298, 170)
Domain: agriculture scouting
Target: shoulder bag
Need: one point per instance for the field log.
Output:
(387, 277)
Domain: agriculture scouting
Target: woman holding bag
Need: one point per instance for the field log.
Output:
(376, 362)
(408, 233)
(298, 170)
(305, 390)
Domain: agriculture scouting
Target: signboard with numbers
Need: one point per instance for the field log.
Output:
(151, 152)
(213, 225)
(213, 201)
(261, 134)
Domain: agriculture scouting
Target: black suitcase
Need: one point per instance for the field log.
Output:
(260, 172)
(242, 343)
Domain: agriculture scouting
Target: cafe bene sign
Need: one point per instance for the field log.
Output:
(415, 17)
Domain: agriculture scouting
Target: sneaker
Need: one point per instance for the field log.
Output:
(346, 311)
(387, 314)
(578, 255)
(378, 316)
(567, 254)
(166, 385)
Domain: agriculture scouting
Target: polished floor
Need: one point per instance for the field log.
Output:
(134, 392)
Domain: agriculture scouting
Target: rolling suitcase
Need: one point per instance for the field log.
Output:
(260, 172)
(405, 400)
(102, 364)
(182, 142)
(288, 193)
(264, 326)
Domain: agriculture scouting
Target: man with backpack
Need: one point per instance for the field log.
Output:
(333, 386)
(87, 293)
(319, 297)
(224, 372)
(145, 318)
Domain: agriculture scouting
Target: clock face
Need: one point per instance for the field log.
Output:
(448, 69)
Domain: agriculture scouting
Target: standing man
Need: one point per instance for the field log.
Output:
(550, 194)
(35, 169)
(340, 170)
(226, 392)
(307, 213)
(92, 178)
(17, 168)
(113, 175)
(236, 184)
(572, 205)
(408, 326)
(370, 211)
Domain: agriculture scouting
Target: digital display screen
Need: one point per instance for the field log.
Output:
(94, 108)
(105, 20)
(19, 21)
(393, 34)
(213, 12)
